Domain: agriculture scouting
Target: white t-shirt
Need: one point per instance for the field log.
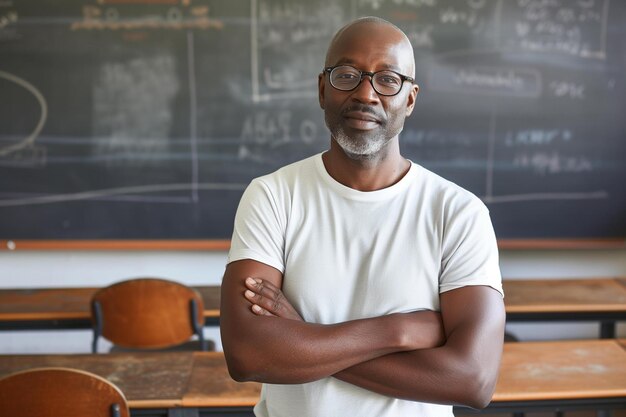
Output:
(347, 254)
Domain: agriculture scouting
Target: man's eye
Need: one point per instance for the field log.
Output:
(388, 80)
(346, 76)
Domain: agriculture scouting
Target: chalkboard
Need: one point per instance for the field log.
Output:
(129, 119)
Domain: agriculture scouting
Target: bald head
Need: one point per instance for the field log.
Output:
(372, 32)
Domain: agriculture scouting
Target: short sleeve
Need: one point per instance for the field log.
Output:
(258, 233)
(470, 250)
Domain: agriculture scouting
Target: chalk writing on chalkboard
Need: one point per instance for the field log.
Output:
(277, 28)
(21, 149)
(9, 17)
(141, 119)
(561, 26)
(540, 27)
(149, 14)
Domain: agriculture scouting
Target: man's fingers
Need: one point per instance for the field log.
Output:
(269, 299)
(257, 299)
(260, 311)
(266, 291)
(265, 302)
(263, 288)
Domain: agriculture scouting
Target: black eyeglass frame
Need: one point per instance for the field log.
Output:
(371, 75)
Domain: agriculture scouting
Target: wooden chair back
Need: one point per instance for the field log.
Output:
(55, 392)
(147, 313)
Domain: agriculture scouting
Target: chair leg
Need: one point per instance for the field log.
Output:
(198, 329)
(115, 410)
(97, 327)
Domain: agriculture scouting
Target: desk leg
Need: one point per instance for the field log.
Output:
(607, 330)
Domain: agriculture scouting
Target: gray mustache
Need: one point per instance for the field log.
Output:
(365, 109)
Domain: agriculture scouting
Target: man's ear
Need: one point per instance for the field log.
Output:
(410, 101)
(321, 86)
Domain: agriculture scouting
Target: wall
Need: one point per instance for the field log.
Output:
(68, 269)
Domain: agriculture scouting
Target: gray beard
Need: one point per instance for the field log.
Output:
(360, 149)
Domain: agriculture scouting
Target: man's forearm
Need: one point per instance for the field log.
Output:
(286, 350)
(281, 351)
(429, 375)
(461, 372)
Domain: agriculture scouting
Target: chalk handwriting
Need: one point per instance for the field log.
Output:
(7, 19)
(421, 37)
(134, 111)
(376, 4)
(27, 157)
(537, 137)
(567, 89)
(28, 141)
(264, 128)
(513, 82)
(276, 27)
(545, 163)
(119, 15)
(576, 28)
(264, 131)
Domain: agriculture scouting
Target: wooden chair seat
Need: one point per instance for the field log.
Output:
(148, 313)
(55, 392)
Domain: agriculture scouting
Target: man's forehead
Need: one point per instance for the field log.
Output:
(370, 36)
(347, 60)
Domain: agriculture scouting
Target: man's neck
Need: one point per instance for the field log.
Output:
(366, 174)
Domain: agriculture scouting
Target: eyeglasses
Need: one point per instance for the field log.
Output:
(385, 83)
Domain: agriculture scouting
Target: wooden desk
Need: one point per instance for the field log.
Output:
(561, 375)
(602, 300)
(68, 308)
(534, 376)
(157, 383)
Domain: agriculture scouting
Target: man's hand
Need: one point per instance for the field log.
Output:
(420, 329)
(268, 300)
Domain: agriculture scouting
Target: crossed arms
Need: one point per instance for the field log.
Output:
(447, 358)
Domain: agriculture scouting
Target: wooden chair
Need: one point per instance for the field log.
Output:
(148, 313)
(54, 392)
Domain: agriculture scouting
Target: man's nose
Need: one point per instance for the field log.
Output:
(365, 92)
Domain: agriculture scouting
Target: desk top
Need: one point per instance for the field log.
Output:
(562, 370)
(210, 385)
(565, 295)
(529, 371)
(72, 303)
(601, 295)
(154, 379)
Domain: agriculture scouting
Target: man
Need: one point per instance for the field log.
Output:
(359, 283)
